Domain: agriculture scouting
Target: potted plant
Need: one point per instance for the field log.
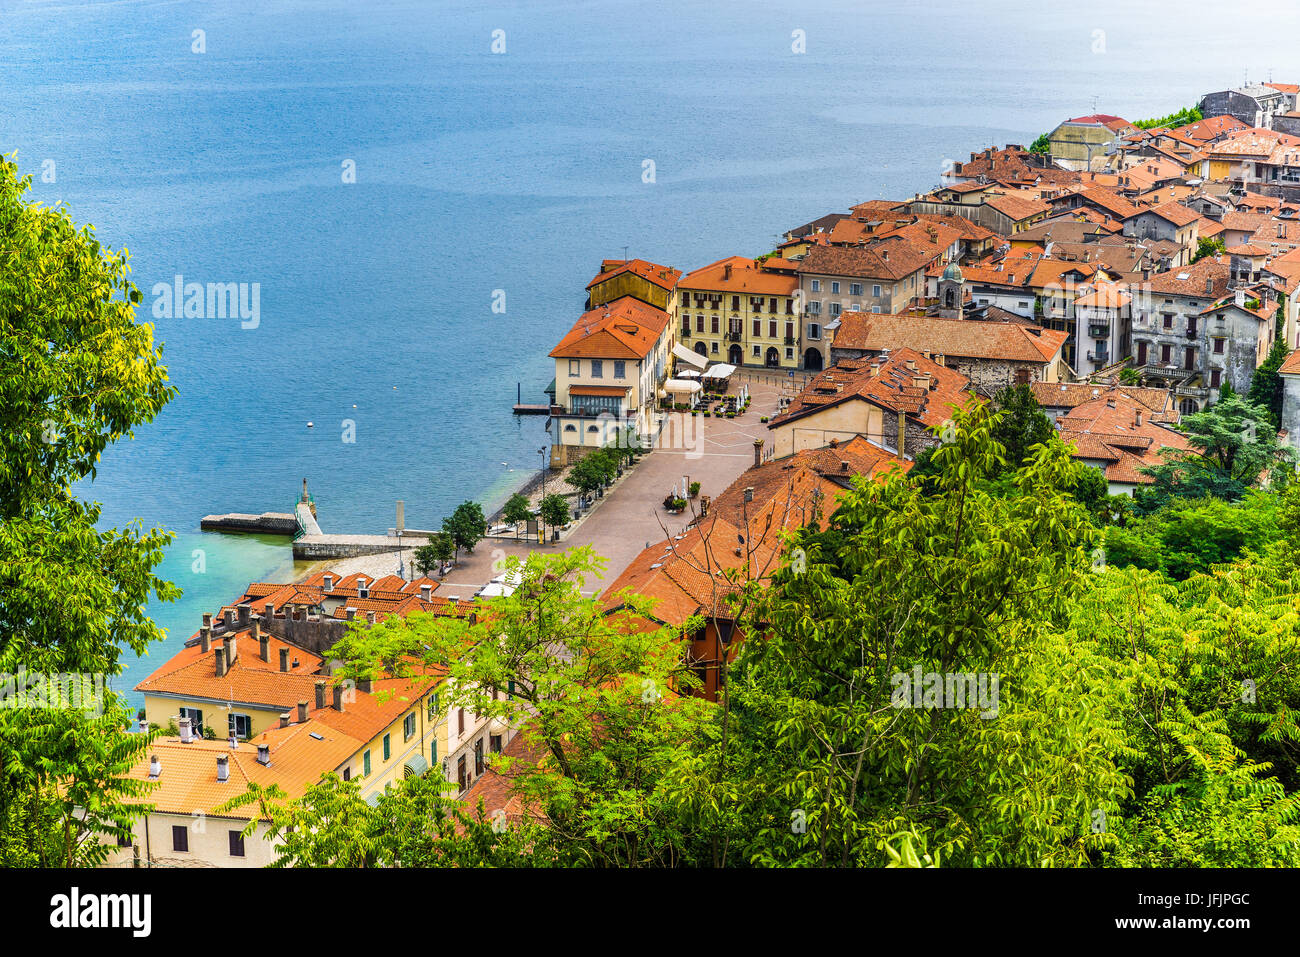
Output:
(694, 489)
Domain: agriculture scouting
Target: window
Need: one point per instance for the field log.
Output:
(814, 331)
(620, 369)
(408, 727)
(478, 757)
(1218, 346)
(835, 286)
(713, 325)
(1215, 376)
(461, 773)
(365, 764)
(816, 285)
(597, 368)
(1164, 353)
(196, 719)
(388, 747)
(835, 309)
(433, 751)
(236, 844)
(699, 323)
(713, 347)
(575, 368)
(789, 353)
(124, 840)
(815, 308)
(241, 725)
(771, 304)
(180, 838)
(494, 743)
(735, 303)
(771, 328)
(875, 291)
(855, 289)
(510, 690)
(1168, 320)
(433, 707)
(757, 351)
(758, 327)
(347, 773)
(789, 330)
(460, 721)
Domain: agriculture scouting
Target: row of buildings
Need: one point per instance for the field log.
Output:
(1171, 252)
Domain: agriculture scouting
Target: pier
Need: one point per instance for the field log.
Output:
(268, 523)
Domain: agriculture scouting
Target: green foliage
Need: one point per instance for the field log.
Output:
(413, 824)
(439, 549)
(1266, 385)
(466, 526)
(1183, 117)
(554, 510)
(76, 374)
(1208, 246)
(593, 692)
(1022, 425)
(517, 509)
(1188, 536)
(1232, 444)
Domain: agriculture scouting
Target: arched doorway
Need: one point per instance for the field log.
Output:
(1188, 407)
(773, 359)
(702, 348)
(812, 360)
(735, 355)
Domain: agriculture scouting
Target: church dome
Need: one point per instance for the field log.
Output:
(953, 273)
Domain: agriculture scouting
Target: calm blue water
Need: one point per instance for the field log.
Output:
(477, 172)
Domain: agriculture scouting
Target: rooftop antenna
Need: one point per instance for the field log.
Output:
(624, 254)
(1094, 103)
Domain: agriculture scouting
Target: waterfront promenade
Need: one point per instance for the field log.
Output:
(631, 515)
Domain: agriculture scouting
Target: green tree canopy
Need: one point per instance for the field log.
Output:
(466, 526)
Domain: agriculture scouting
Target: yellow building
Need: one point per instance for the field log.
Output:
(738, 312)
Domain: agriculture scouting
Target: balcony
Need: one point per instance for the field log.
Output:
(733, 336)
(1098, 331)
(789, 340)
(686, 332)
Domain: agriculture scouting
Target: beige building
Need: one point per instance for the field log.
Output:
(738, 312)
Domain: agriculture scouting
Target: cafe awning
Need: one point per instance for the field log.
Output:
(720, 371)
(599, 389)
(681, 386)
(688, 356)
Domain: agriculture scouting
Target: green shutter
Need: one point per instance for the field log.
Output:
(365, 763)
(387, 748)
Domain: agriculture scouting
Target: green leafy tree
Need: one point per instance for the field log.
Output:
(554, 510)
(831, 763)
(1232, 444)
(1266, 385)
(1022, 425)
(589, 473)
(432, 555)
(76, 374)
(517, 510)
(1208, 246)
(465, 527)
(592, 690)
(1041, 145)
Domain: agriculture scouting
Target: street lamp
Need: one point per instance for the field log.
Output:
(542, 453)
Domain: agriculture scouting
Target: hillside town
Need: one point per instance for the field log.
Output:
(1126, 275)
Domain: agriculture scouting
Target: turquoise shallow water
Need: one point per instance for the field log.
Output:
(478, 172)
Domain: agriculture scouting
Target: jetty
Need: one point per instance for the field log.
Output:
(268, 523)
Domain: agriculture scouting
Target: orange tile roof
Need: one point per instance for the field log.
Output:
(625, 328)
(968, 338)
(740, 276)
(891, 260)
(1118, 430)
(663, 276)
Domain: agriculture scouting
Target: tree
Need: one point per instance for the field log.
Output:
(1266, 386)
(77, 373)
(587, 474)
(1041, 145)
(438, 551)
(413, 824)
(1232, 444)
(592, 690)
(832, 762)
(465, 527)
(1208, 246)
(1023, 424)
(517, 510)
(554, 510)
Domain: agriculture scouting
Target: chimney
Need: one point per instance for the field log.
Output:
(269, 611)
(264, 755)
(205, 639)
(284, 719)
(902, 433)
(232, 650)
(370, 618)
(1110, 403)
(320, 695)
(363, 684)
(207, 619)
(220, 657)
(1137, 418)
(245, 610)
(362, 591)
(426, 592)
(230, 618)
(186, 734)
(1209, 285)
(351, 613)
(155, 766)
(284, 659)
(758, 452)
(844, 466)
(726, 271)
(338, 697)
(302, 712)
(263, 642)
(223, 767)
(329, 582)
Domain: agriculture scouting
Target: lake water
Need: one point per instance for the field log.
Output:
(478, 171)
